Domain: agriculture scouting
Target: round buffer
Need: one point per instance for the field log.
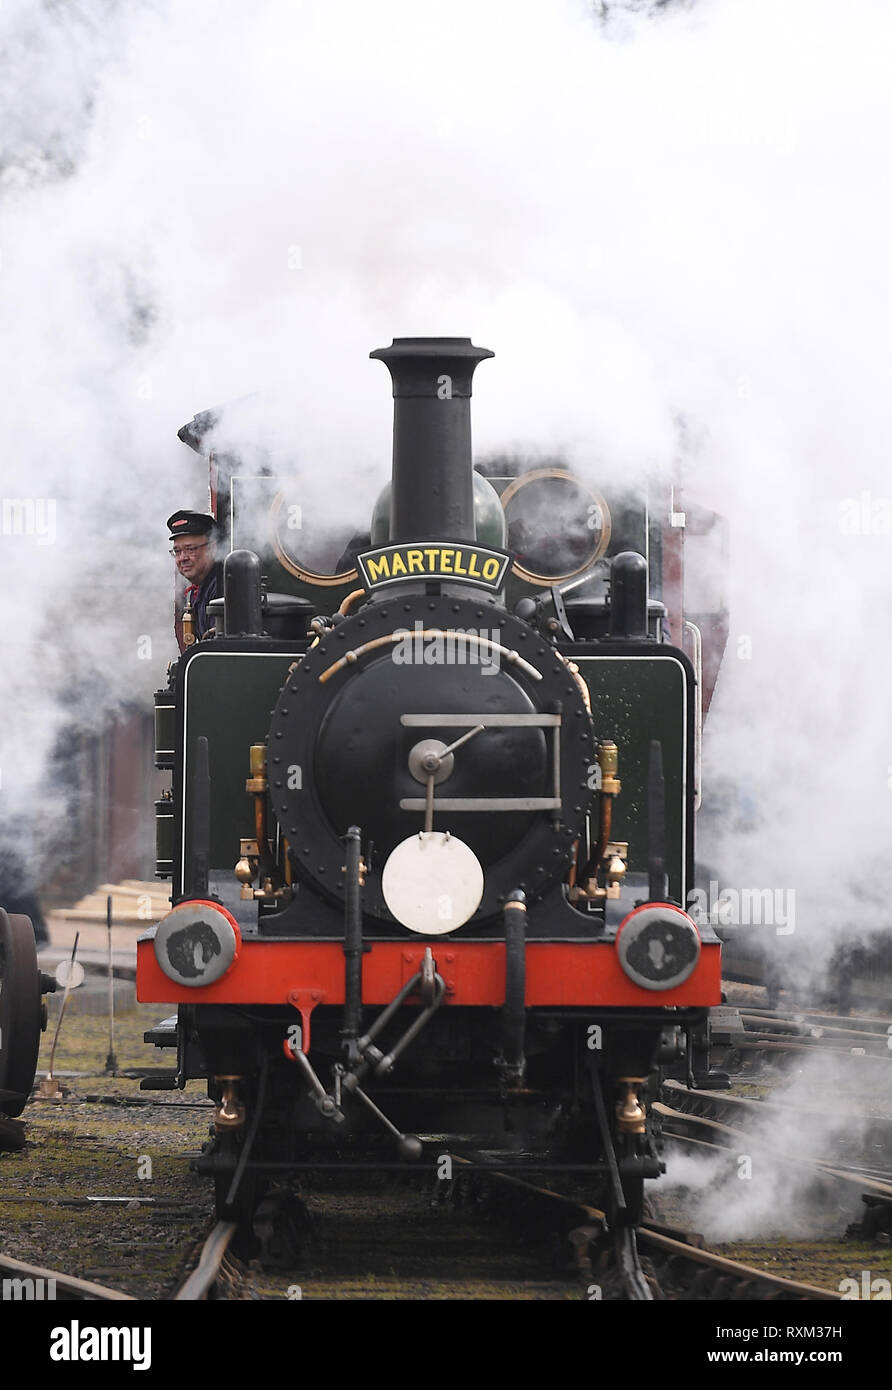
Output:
(197, 942)
(658, 946)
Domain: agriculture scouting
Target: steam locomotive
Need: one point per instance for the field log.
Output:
(431, 823)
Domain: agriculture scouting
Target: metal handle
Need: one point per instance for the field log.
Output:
(697, 644)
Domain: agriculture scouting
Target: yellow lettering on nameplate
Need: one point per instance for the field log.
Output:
(455, 563)
(378, 569)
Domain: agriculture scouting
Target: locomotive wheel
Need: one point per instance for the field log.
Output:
(21, 1012)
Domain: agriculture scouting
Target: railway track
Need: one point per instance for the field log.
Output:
(781, 1034)
(877, 1024)
(103, 1193)
(687, 1273)
(412, 1234)
(742, 1054)
(81, 1159)
(425, 1255)
(693, 1122)
(215, 1275)
(549, 1226)
(701, 1110)
(677, 1266)
(33, 1283)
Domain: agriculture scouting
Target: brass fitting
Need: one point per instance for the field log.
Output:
(363, 867)
(630, 1113)
(257, 782)
(244, 871)
(246, 868)
(349, 601)
(266, 893)
(608, 761)
(230, 1113)
(615, 871)
(190, 637)
(590, 890)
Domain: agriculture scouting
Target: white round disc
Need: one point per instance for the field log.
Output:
(432, 883)
(69, 973)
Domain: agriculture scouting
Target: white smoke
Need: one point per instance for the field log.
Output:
(676, 215)
(767, 1181)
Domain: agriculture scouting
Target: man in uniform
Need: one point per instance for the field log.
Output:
(193, 537)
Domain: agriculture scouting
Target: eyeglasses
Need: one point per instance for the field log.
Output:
(187, 551)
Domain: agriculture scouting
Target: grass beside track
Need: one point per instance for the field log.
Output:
(77, 1150)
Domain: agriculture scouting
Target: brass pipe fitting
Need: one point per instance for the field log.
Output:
(608, 761)
(348, 602)
(630, 1113)
(230, 1113)
(257, 782)
(257, 785)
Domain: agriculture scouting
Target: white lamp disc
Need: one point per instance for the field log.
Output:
(432, 883)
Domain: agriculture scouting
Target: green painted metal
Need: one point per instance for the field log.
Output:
(228, 698)
(636, 699)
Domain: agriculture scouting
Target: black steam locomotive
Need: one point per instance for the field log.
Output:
(431, 823)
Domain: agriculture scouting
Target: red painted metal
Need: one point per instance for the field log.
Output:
(305, 1001)
(584, 974)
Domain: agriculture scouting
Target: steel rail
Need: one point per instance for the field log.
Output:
(753, 1042)
(738, 1136)
(806, 1027)
(875, 1023)
(67, 1283)
(654, 1236)
(199, 1283)
(733, 1268)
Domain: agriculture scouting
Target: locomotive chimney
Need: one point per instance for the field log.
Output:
(433, 484)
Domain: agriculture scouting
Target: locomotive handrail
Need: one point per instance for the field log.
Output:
(484, 803)
(697, 644)
(487, 721)
(511, 657)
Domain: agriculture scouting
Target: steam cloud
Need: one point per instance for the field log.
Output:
(670, 227)
(766, 1186)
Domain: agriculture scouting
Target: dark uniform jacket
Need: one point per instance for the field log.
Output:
(197, 597)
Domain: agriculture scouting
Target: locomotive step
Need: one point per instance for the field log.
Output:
(164, 1033)
(159, 1081)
